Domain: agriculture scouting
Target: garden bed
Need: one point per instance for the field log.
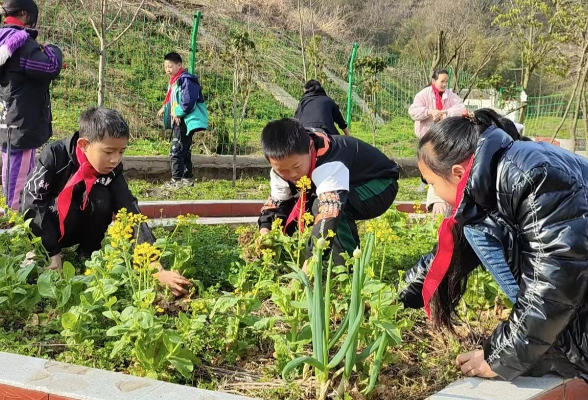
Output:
(245, 188)
(244, 320)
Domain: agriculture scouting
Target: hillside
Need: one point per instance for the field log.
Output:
(136, 85)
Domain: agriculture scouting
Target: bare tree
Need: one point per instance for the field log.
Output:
(585, 110)
(448, 26)
(301, 32)
(240, 52)
(478, 69)
(572, 19)
(533, 26)
(97, 12)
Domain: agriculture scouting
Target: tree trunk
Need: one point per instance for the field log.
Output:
(525, 84)
(457, 64)
(438, 52)
(101, 74)
(579, 82)
(102, 56)
(374, 116)
(585, 110)
(311, 20)
(576, 116)
(300, 27)
(235, 113)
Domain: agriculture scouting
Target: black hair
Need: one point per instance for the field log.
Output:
(312, 84)
(284, 138)
(98, 122)
(438, 72)
(511, 129)
(456, 138)
(173, 57)
(12, 8)
(448, 143)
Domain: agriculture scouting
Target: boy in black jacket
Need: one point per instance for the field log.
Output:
(350, 181)
(78, 185)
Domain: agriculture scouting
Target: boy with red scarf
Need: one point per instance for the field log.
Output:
(184, 112)
(350, 181)
(77, 187)
(26, 72)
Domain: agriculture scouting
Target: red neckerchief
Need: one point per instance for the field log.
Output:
(314, 155)
(301, 203)
(445, 245)
(13, 21)
(438, 97)
(87, 174)
(172, 80)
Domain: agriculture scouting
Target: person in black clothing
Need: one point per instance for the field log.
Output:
(77, 187)
(520, 211)
(26, 71)
(350, 181)
(317, 110)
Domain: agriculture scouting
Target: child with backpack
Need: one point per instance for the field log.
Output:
(184, 112)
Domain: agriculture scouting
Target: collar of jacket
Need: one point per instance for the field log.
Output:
(320, 91)
(32, 32)
(480, 192)
(321, 140)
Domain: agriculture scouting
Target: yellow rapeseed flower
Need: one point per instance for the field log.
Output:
(267, 255)
(304, 183)
(277, 224)
(308, 218)
(144, 254)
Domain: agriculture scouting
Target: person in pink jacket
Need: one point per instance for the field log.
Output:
(432, 104)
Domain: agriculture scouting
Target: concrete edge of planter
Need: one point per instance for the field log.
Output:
(549, 387)
(221, 166)
(31, 378)
(223, 208)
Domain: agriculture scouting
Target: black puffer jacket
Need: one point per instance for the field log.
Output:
(24, 88)
(317, 110)
(534, 198)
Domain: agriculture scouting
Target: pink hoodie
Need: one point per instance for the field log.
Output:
(425, 100)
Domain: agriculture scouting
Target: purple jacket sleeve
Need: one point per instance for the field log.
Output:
(42, 63)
